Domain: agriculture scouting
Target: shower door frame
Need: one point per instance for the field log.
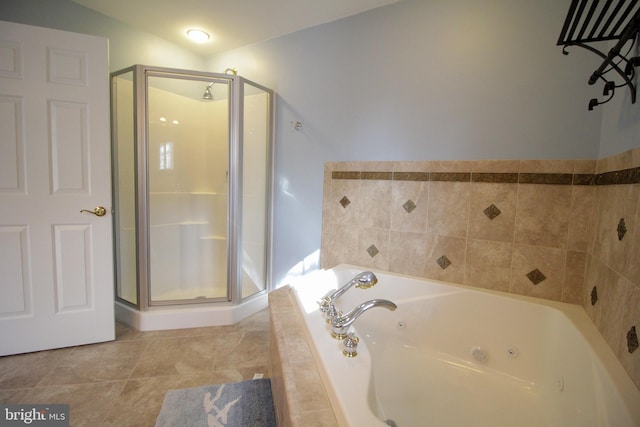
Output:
(234, 186)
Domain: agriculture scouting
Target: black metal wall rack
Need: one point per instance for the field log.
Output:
(590, 21)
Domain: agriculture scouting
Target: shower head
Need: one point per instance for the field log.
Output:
(207, 95)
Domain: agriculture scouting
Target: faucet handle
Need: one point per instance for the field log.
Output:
(350, 345)
(331, 313)
(324, 303)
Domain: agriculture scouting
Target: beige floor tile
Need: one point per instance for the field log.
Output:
(123, 383)
(97, 362)
(88, 403)
(175, 356)
(251, 349)
(27, 370)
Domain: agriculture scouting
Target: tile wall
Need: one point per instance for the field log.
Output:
(553, 229)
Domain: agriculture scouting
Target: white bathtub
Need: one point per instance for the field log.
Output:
(452, 355)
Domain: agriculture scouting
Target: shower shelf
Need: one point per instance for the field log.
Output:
(213, 238)
(614, 20)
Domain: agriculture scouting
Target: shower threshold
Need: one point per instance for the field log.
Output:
(188, 316)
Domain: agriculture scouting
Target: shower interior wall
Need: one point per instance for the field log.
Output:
(187, 206)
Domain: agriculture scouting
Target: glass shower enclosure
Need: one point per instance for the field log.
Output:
(192, 155)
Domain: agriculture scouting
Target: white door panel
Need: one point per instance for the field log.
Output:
(56, 266)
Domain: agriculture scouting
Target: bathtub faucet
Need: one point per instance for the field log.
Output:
(340, 324)
(363, 280)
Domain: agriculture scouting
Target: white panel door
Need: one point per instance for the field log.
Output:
(56, 262)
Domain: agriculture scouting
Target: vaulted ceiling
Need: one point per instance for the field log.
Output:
(230, 23)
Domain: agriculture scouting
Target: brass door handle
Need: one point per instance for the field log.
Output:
(98, 211)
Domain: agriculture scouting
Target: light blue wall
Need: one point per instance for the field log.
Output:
(620, 129)
(417, 80)
(620, 126)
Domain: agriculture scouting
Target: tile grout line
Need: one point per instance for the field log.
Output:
(125, 381)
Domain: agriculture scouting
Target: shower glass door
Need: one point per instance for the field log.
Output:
(187, 178)
(256, 158)
(124, 172)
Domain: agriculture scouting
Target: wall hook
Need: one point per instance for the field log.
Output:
(609, 90)
(296, 125)
(585, 25)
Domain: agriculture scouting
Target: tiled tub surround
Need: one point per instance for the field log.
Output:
(550, 229)
(299, 396)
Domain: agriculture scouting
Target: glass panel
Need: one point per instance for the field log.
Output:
(255, 185)
(187, 176)
(124, 147)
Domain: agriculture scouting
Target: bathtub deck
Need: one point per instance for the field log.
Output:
(298, 392)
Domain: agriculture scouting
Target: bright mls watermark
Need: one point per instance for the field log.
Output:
(34, 415)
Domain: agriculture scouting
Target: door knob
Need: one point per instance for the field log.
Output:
(98, 211)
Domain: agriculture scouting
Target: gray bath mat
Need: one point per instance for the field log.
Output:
(243, 404)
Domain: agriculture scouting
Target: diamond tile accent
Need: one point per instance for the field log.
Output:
(492, 211)
(594, 296)
(345, 201)
(409, 206)
(373, 251)
(536, 276)
(622, 229)
(632, 340)
(443, 262)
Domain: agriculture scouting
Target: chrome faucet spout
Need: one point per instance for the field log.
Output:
(340, 324)
(363, 280)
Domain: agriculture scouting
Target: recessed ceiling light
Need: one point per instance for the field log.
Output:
(198, 36)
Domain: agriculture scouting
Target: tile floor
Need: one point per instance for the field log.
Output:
(123, 383)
